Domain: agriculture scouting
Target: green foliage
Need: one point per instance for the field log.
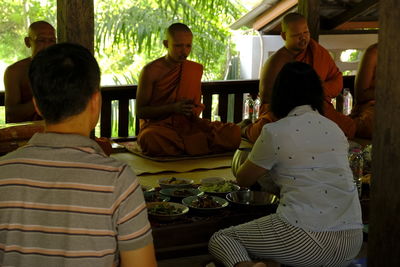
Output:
(137, 28)
(2, 115)
(15, 17)
(129, 33)
(355, 56)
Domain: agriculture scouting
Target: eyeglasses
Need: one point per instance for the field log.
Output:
(44, 40)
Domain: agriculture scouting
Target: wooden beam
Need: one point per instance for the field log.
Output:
(75, 22)
(360, 9)
(352, 25)
(384, 219)
(272, 13)
(275, 24)
(311, 9)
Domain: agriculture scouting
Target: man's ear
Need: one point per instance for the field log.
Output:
(27, 41)
(283, 35)
(95, 107)
(95, 100)
(165, 43)
(36, 106)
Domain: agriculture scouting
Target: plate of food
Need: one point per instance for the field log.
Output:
(220, 189)
(166, 211)
(181, 192)
(205, 202)
(174, 182)
(155, 196)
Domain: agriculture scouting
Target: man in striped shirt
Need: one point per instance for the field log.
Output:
(63, 202)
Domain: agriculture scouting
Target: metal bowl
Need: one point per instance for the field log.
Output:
(252, 198)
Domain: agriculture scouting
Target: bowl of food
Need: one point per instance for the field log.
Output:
(166, 211)
(155, 196)
(205, 202)
(252, 198)
(174, 182)
(219, 189)
(180, 192)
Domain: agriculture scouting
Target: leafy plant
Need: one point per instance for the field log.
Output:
(137, 28)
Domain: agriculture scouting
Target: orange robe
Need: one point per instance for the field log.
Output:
(178, 134)
(332, 81)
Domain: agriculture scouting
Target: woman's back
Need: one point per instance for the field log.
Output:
(308, 160)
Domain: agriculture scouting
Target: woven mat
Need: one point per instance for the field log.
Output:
(134, 148)
(141, 165)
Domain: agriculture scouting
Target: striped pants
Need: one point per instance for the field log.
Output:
(271, 238)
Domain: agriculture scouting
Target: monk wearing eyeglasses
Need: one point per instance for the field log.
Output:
(299, 47)
(18, 92)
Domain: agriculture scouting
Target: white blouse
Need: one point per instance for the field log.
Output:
(307, 156)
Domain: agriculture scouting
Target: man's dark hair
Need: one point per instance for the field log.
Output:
(296, 84)
(63, 79)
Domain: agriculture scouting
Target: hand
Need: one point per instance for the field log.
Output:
(184, 107)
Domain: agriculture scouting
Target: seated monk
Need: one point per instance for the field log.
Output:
(18, 92)
(364, 89)
(299, 47)
(168, 103)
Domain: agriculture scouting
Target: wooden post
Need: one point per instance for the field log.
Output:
(384, 219)
(75, 22)
(310, 9)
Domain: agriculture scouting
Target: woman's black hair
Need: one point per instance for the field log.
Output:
(297, 84)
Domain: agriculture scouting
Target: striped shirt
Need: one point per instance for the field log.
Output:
(64, 203)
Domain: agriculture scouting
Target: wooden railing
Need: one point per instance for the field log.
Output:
(230, 102)
(230, 99)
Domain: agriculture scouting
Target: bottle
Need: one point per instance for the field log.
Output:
(356, 161)
(248, 108)
(257, 104)
(347, 101)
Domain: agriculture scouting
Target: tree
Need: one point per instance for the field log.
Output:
(129, 33)
(15, 18)
(137, 28)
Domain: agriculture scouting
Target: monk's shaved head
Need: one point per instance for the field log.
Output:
(290, 18)
(37, 25)
(41, 35)
(176, 27)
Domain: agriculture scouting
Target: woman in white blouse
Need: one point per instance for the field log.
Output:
(318, 220)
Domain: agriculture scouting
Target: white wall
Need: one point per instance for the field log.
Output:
(251, 55)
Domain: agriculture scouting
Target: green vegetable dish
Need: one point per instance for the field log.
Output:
(220, 187)
(165, 209)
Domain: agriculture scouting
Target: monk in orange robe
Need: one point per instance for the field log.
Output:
(168, 103)
(299, 47)
(364, 89)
